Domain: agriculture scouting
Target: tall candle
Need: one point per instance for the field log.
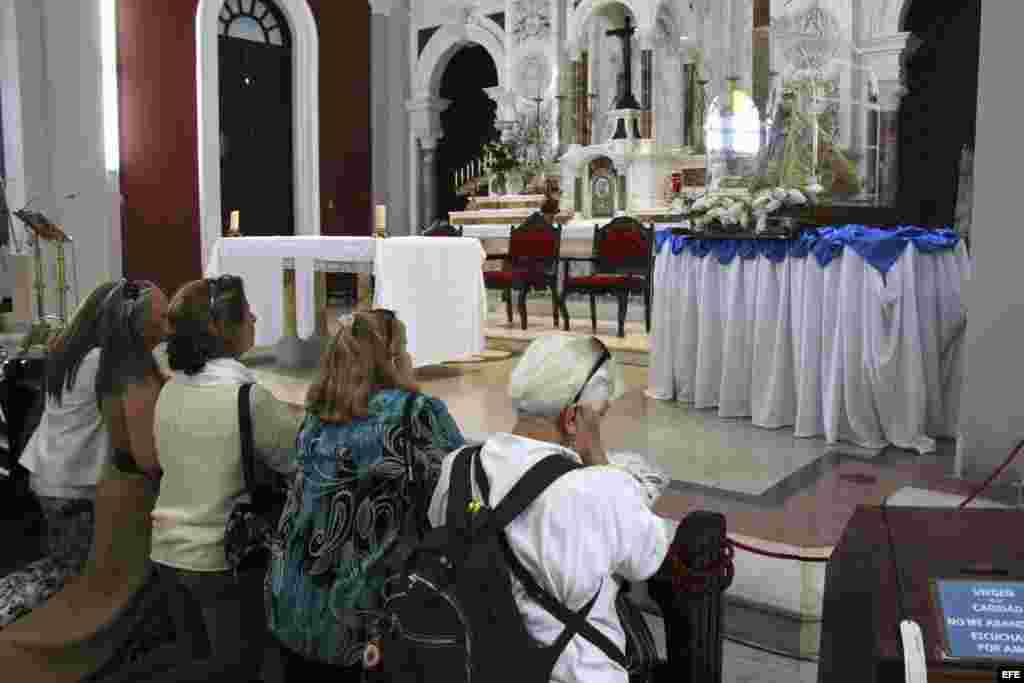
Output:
(235, 220)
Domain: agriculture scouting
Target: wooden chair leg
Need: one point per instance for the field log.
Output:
(623, 304)
(508, 305)
(647, 308)
(554, 304)
(593, 313)
(565, 310)
(522, 306)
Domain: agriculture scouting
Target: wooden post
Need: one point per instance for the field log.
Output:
(693, 620)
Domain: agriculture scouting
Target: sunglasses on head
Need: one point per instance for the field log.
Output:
(602, 359)
(218, 286)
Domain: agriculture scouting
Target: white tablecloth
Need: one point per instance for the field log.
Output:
(258, 260)
(837, 351)
(436, 287)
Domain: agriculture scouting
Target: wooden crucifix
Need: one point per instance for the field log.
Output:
(626, 100)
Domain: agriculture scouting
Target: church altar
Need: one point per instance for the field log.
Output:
(852, 333)
(445, 276)
(492, 218)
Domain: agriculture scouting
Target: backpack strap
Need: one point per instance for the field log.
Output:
(524, 492)
(245, 430)
(529, 486)
(459, 490)
(575, 622)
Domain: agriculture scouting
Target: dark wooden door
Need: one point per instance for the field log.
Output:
(256, 136)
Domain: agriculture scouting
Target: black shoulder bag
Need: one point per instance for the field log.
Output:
(253, 520)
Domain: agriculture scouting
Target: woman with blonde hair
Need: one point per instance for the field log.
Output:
(369, 454)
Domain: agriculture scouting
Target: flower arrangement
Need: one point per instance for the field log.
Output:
(528, 149)
(499, 158)
(767, 202)
(735, 212)
(732, 213)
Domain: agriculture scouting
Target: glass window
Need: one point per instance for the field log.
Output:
(257, 20)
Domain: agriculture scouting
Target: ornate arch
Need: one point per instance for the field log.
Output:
(305, 118)
(888, 17)
(448, 40)
(643, 11)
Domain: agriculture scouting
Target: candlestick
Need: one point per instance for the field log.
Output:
(381, 213)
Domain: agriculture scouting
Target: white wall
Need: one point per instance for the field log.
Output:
(992, 412)
(57, 145)
(427, 13)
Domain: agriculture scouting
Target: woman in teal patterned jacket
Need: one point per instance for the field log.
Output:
(369, 454)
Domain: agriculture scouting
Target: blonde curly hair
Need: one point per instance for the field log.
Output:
(359, 362)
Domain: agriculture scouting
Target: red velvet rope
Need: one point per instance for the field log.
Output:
(686, 580)
(779, 556)
(999, 470)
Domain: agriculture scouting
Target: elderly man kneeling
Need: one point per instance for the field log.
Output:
(591, 524)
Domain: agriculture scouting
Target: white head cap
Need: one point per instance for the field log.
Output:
(554, 368)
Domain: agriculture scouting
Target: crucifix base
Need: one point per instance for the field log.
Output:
(626, 124)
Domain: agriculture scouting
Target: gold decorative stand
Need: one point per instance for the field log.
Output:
(42, 230)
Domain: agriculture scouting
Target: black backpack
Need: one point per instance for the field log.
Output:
(452, 614)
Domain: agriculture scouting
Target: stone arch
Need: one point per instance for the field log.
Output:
(305, 119)
(448, 40)
(664, 11)
(643, 13)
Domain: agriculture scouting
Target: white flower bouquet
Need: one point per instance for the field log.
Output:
(732, 213)
(769, 201)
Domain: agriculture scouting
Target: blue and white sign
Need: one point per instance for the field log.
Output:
(982, 619)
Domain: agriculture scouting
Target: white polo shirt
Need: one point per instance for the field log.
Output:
(589, 525)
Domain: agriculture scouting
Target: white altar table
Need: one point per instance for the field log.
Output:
(442, 270)
(436, 287)
(837, 350)
(259, 261)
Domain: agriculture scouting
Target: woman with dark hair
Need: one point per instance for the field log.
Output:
(106, 615)
(197, 433)
(369, 454)
(66, 453)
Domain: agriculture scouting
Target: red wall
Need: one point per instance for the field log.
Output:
(159, 157)
(344, 116)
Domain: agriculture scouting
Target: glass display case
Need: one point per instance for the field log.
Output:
(819, 123)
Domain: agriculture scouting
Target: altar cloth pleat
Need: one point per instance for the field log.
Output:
(810, 334)
(436, 287)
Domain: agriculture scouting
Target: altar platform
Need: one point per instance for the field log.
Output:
(633, 349)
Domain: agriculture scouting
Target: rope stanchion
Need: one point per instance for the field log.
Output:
(778, 556)
(992, 477)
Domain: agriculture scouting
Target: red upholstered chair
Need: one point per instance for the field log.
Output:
(531, 262)
(623, 258)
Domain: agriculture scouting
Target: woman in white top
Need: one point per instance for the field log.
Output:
(65, 456)
(198, 441)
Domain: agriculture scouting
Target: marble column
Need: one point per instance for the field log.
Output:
(428, 188)
(582, 94)
(425, 120)
(647, 115)
(390, 77)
